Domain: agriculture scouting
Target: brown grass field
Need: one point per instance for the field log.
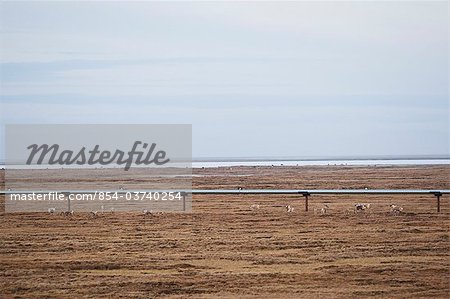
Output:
(224, 250)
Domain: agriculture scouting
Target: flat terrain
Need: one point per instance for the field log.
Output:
(223, 249)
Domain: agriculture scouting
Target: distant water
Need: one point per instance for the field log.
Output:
(368, 162)
(255, 162)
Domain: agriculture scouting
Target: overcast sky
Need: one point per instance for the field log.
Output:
(254, 79)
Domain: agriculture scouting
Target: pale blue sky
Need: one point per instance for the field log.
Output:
(254, 79)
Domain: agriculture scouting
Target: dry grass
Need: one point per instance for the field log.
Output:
(222, 249)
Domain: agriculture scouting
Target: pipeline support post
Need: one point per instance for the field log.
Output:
(438, 198)
(306, 195)
(183, 194)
